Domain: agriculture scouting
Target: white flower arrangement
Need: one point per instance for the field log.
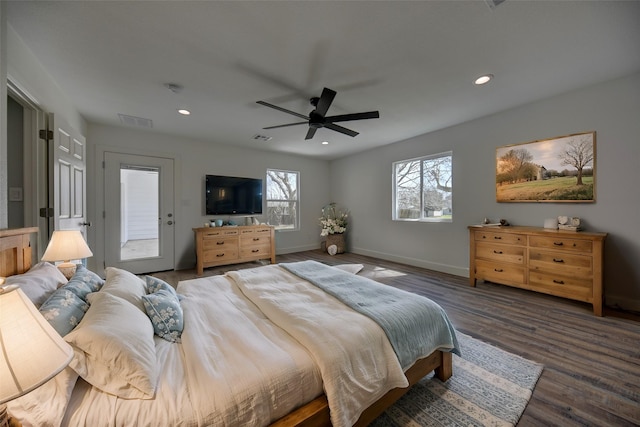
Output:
(333, 220)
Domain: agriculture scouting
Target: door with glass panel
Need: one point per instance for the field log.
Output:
(139, 212)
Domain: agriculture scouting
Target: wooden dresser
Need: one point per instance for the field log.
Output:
(567, 264)
(233, 245)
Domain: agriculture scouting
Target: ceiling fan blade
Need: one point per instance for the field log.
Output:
(355, 116)
(341, 129)
(325, 101)
(287, 125)
(284, 110)
(310, 133)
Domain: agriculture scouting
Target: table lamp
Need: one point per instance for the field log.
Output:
(31, 351)
(66, 245)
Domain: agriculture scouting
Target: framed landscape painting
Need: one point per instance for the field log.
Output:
(561, 169)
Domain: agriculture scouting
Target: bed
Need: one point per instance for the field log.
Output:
(275, 345)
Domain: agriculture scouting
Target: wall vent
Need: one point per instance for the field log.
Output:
(135, 121)
(494, 3)
(264, 138)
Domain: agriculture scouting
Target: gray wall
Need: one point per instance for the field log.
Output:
(193, 160)
(363, 183)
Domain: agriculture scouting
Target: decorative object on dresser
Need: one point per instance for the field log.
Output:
(233, 245)
(563, 263)
(66, 245)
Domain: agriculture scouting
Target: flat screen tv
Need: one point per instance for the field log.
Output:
(229, 195)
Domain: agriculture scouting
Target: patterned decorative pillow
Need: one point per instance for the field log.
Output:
(154, 285)
(63, 310)
(88, 277)
(165, 312)
(84, 282)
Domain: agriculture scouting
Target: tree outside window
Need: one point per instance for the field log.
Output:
(283, 199)
(423, 188)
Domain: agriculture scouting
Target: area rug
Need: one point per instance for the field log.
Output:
(489, 387)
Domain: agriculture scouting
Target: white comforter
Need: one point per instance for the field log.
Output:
(357, 362)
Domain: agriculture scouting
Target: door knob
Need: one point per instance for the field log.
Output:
(88, 223)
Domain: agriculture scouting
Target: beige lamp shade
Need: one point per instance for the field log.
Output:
(66, 245)
(31, 351)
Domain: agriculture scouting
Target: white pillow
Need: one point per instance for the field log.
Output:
(114, 348)
(39, 282)
(350, 268)
(125, 285)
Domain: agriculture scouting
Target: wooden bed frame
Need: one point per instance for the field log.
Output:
(15, 258)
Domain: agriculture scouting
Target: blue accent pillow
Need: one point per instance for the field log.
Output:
(63, 310)
(154, 284)
(91, 280)
(165, 312)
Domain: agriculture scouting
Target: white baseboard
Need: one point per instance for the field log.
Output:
(622, 302)
(443, 268)
(290, 250)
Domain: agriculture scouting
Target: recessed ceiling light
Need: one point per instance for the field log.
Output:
(483, 79)
(184, 112)
(325, 142)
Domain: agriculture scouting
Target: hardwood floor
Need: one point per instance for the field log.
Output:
(591, 371)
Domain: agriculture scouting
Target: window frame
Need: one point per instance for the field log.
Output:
(296, 224)
(421, 160)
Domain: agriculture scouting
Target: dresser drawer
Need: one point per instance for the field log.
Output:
(254, 239)
(219, 243)
(497, 237)
(260, 231)
(563, 286)
(561, 243)
(503, 253)
(261, 251)
(220, 256)
(500, 273)
(568, 264)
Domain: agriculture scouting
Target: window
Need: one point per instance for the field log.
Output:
(423, 189)
(283, 199)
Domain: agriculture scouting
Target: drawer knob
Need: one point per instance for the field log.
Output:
(558, 260)
(497, 252)
(255, 250)
(255, 239)
(557, 243)
(220, 255)
(220, 243)
(559, 282)
(497, 237)
(498, 270)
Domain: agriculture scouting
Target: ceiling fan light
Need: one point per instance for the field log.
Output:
(483, 79)
(325, 142)
(184, 112)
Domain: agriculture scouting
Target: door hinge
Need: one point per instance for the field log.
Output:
(46, 212)
(104, 214)
(103, 165)
(46, 134)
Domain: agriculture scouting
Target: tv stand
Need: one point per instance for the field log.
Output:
(233, 245)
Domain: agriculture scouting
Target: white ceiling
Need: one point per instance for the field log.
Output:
(414, 61)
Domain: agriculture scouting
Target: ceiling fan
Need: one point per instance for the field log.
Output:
(317, 119)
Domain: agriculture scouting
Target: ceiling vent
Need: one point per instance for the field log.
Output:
(494, 3)
(264, 138)
(135, 121)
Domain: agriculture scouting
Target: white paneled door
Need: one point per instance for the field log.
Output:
(139, 212)
(68, 178)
